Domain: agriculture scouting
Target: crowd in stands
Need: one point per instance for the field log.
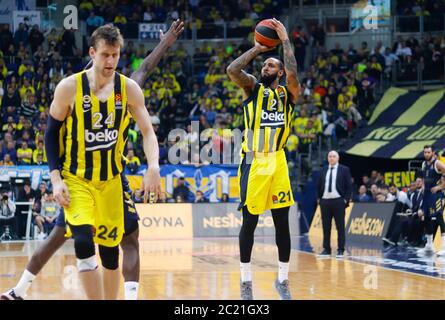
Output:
(203, 15)
(416, 7)
(373, 188)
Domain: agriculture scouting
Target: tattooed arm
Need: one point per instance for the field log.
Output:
(290, 64)
(151, 61)
(236, 73)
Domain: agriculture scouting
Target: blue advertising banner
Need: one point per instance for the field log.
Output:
(212, 180)
(8, 6)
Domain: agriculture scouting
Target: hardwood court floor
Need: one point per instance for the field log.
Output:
(209, 269)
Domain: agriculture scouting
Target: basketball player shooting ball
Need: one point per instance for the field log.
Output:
(263, 173)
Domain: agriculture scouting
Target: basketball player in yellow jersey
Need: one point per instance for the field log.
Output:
(87, 130)
(263, 173)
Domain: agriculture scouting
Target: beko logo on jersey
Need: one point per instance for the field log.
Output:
(277, 118)
(105, 136)
(101, 136)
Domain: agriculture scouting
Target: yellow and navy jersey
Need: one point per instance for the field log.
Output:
(95, 133)
(268, 116)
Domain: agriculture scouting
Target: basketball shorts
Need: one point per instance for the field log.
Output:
(264, 182)
(130, 214)
(96, 203)
(432, 204)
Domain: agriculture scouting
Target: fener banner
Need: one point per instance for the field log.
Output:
(401, 124)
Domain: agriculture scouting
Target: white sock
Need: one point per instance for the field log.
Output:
(131, 290)
(246, 272)
(24, 283)
(283, 271)
(429, 240)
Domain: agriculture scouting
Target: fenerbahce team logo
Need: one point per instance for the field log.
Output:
(86, 100)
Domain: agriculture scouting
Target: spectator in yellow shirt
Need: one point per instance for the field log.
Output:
(3, 69)
(308, 137)
(120, 20)
(321, 63)
(211, 77)
(132, 158)
(292, 146)
(173, 85)
(26, 67)
(246, 21)
(301, 121)
(24, 154)
(348, 107)
(214, 102)
(258, 7)
(24, 89)
(132, 161)
(238, 118)
(10, 125)
(342, 96)
(86, 5)
(158, 83)
(40, 150)
(318, 127)
(352, 89)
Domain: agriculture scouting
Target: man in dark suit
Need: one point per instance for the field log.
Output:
(334, 192)
(416, 226)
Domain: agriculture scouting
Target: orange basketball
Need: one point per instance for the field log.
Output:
(266, 35)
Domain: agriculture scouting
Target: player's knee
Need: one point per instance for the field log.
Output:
(130, 243)
(248, 218)
(87, 264)
(281, 222)
(109, 257)
(83, 241)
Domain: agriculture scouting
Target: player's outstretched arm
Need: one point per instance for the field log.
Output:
(236, 73)
(152, 179)
(64, 96)
(290, 63)
(151, 61)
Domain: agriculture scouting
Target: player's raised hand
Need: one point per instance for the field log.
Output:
(280, 29)
(261, 48)
(173, 33)
(151, 184)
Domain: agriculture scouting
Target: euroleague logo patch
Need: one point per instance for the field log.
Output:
(118, 101)
(274, 199)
